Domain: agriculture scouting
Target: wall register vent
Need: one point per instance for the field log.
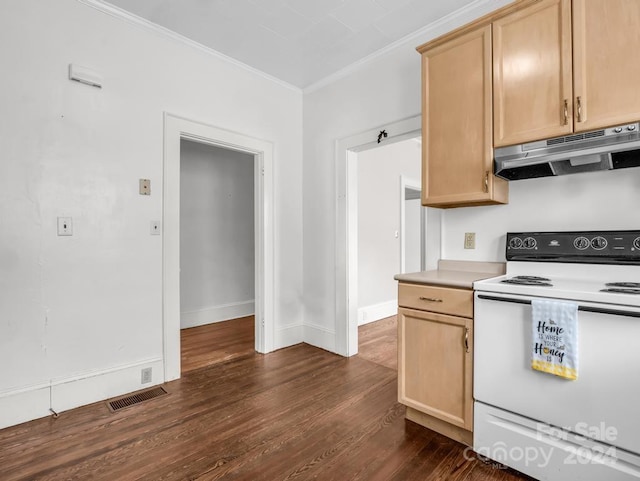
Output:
(136, 398)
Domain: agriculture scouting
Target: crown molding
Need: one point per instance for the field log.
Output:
(453, 20)
(436, 28)
(137, 21)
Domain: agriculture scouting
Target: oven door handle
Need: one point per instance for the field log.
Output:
(599, 310)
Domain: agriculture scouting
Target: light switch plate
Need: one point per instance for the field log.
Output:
(145, 187)
(65, 226)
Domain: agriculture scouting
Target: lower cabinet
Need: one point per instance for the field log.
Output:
(435, 361)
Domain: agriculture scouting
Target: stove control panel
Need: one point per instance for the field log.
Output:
(597, 247)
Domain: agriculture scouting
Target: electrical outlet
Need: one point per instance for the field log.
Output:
(145, 375)
(469, 240)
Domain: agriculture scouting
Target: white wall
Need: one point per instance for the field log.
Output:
(591, 201)
(90, 306)
(379, 172)
(217, 239)
(382, 90)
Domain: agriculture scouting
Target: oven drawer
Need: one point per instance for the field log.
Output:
(445, 300)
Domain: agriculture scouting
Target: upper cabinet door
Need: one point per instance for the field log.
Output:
(606, 66)
(457, 164)
(532, 73)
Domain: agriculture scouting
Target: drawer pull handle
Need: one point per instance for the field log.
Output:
(430, 299)
(466, 339)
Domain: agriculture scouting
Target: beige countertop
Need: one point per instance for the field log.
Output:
(461, 274)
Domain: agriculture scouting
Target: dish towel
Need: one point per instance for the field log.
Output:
(555, 337)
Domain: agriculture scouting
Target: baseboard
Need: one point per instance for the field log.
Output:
(98, 386)
(375, 312)
(220, 313)
(289, 335)
(320, 336)
(24, 405)
(37, 401)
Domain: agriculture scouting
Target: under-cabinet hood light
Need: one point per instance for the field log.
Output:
(606, 149)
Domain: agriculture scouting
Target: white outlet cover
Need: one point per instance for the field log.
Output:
(469, 240)
(145, 375)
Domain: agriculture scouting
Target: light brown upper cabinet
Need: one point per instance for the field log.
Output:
(551, 79)
(457, 154)
(606, 69)
(532, 73)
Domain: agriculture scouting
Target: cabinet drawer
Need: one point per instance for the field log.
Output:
(447, 300)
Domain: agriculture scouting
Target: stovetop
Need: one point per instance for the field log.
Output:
(593, 266)
(620, 287)
(608, 284)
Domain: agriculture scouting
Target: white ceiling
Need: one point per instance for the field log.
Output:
(297, 41)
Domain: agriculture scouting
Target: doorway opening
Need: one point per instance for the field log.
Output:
(176, 131)
(381, 228)
(378, 327)
(217, 254)
(347, 248)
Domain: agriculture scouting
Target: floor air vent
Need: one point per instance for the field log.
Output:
(136, 398)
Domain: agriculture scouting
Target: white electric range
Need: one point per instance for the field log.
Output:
(541, 424)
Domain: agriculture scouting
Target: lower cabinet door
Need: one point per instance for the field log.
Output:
(435, 354)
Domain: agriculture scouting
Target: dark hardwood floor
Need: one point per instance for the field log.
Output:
(299, 413)
(213, 343)
(378, 342)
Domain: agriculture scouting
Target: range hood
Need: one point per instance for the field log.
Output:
(606, 149)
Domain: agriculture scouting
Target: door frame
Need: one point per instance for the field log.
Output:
(346, 210)
(410, 184)
(177, 128)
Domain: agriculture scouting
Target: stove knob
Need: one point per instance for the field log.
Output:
(529, 243)
(581, 243)
(617, 130)
(599, 243)
(515, 243)
(631, 128)
(636, 243)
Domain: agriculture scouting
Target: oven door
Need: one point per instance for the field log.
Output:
(602, 403)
